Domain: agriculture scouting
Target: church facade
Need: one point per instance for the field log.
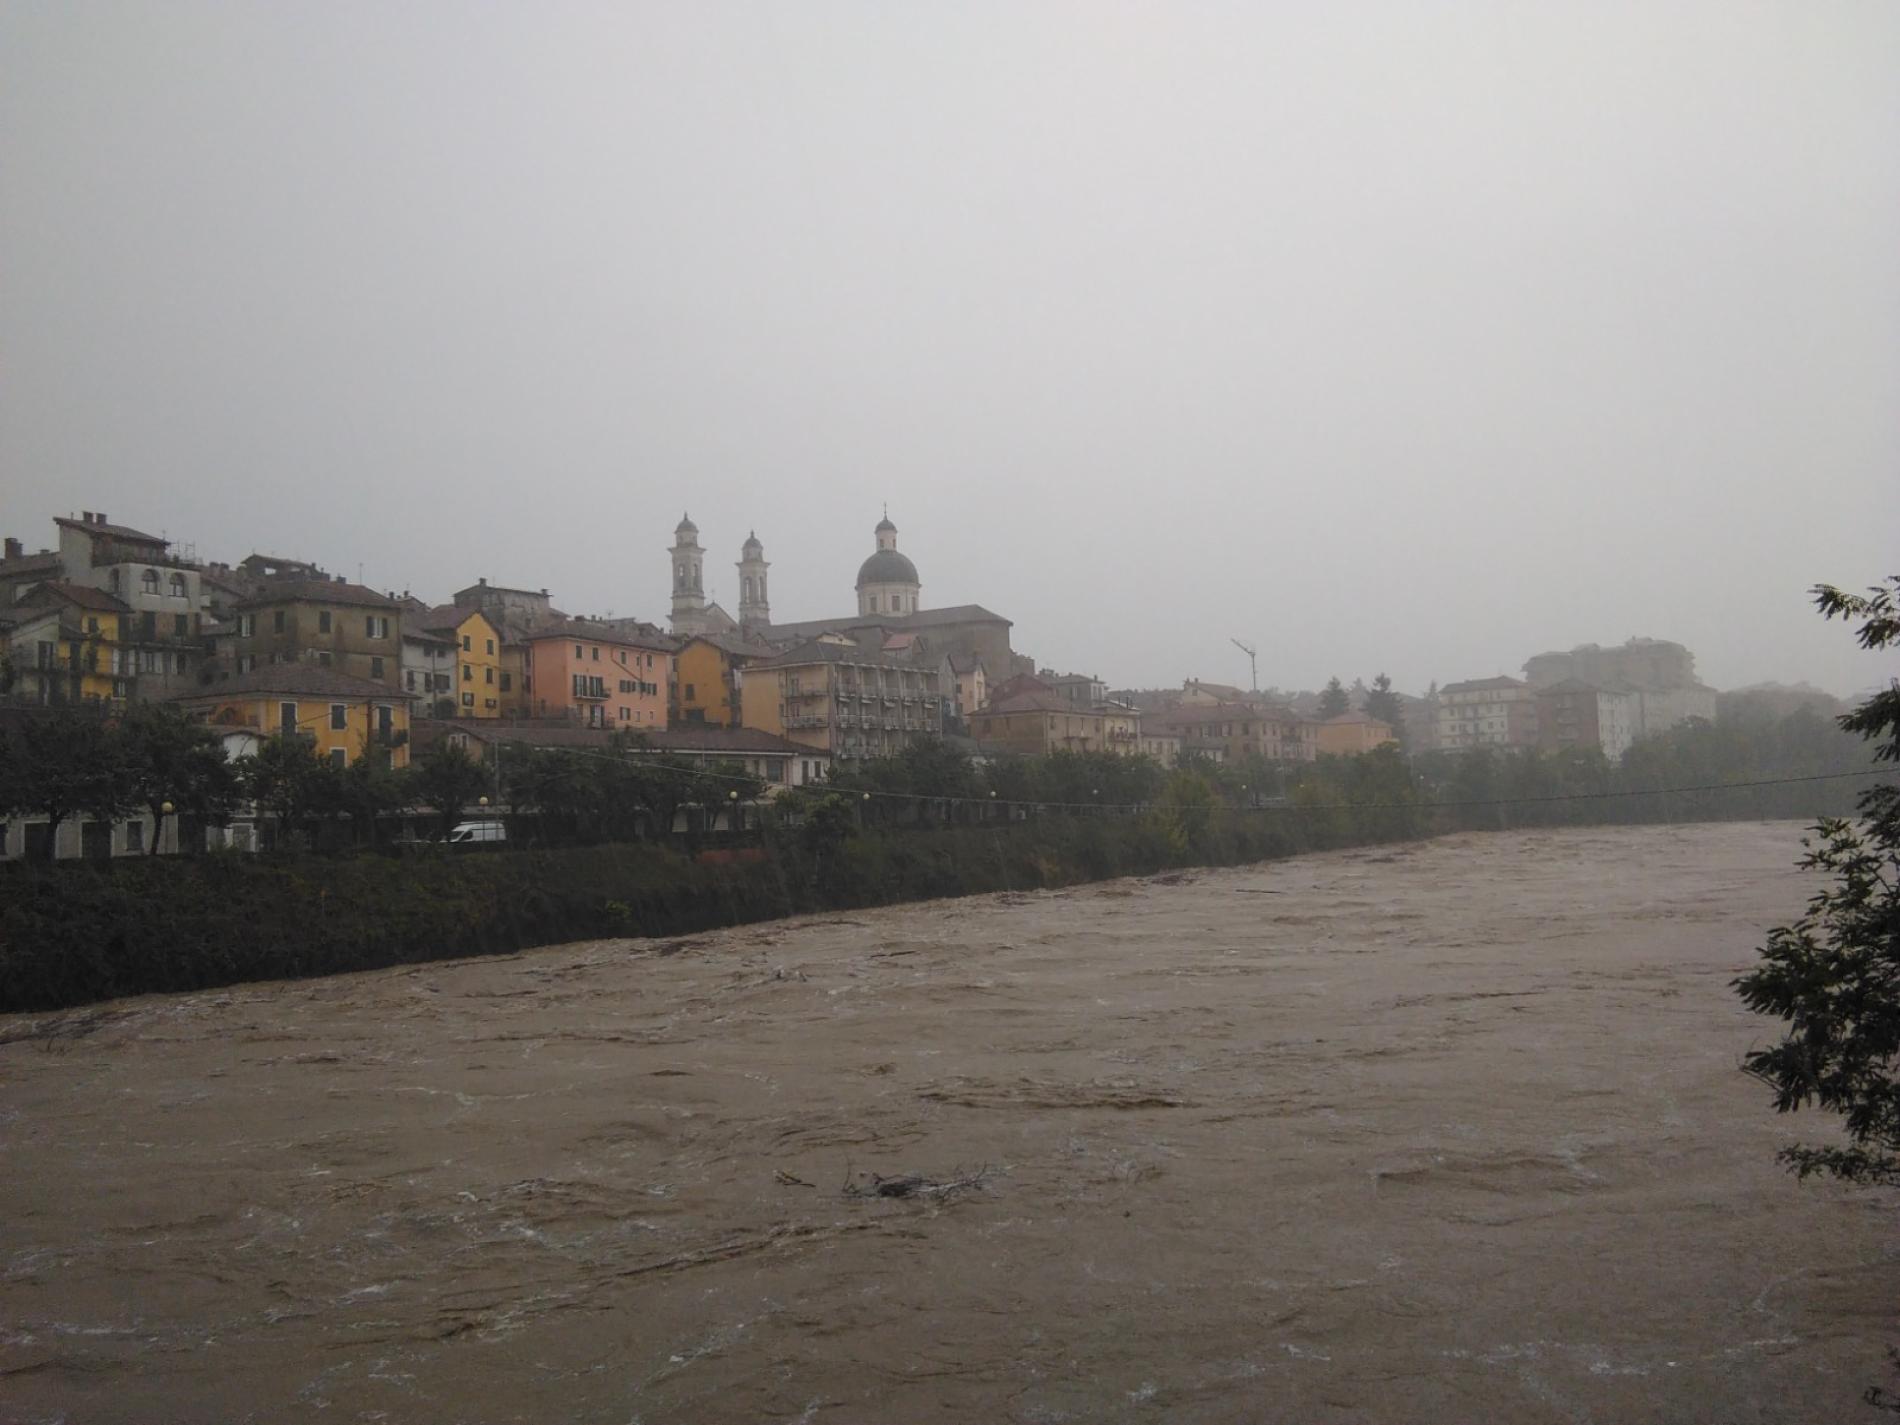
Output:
(890, 607)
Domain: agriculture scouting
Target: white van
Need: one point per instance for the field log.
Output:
(474, 833)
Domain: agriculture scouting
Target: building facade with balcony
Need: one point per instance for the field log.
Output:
(844, 698)
(62, 646)
(590, 675)
(1574, 713)
(1486, 712)
(163, 595)
(342, 717)
(428, 671)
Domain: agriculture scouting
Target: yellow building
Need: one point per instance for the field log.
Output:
(65, 644)
(706, 679)
(1352, 733)
(342, 716)
(480, 688)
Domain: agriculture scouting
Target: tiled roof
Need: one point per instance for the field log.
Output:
(1355, 717)
(927, 618)
(112, 531)
(735, 644)
(575, 628)
(820, 651)
(315, 591)
(82, 595)
(27, 565)
(1481, 685)
(299, 679)
(1030, 702)
(1191, 715)
(449, 616)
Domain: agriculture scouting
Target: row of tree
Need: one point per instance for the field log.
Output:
(70, 764)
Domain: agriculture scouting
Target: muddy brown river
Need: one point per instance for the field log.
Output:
(1443, 1133)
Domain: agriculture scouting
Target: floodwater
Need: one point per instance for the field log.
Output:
(1443, 1133)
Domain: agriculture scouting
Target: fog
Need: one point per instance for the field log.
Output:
(1395, 337)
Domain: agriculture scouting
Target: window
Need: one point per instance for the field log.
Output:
(467, 643)
(507, 682)
(287, 717)
(179, 589)
(148, 581)
(324, 658)
(339, 757)
(247, 662)
(339, 717)
(376, 668)
(375, 626)
(491, 647)
(181, 625)
(468, 700)
(409, 679)
(277, 621)
(577, 651)
(597, 653)
(323, 620)
(690, 693)
(92, 625)
(625, 715)
(148, 627)
(247, 625)
(135, 836)
(468, 674)
(488, 676)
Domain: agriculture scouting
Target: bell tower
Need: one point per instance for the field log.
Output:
(689, 590)
(755, 607)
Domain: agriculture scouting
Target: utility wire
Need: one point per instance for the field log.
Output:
(633, 759)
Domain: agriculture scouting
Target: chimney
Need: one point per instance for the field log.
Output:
(483, 580)
(85, 516)
(99, 518)
(14, 549)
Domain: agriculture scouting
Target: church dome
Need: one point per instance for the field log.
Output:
(884, 526)
(752, 545)
(887, 566)
(686, 526)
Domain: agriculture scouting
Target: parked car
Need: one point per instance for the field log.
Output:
(478, 833)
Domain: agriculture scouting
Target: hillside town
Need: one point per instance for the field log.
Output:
(277, 647)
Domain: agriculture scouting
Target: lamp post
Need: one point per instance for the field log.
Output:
(732, 810)
(164, 810)
(483, 804)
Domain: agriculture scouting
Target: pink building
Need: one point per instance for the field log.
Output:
(595, 676)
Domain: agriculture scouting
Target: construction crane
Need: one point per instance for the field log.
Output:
(1253, 662)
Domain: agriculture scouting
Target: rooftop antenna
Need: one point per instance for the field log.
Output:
(1253, 662)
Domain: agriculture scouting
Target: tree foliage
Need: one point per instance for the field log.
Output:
(1834, 974)
(1333, 700)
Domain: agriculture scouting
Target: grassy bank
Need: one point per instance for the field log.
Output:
(72, 932)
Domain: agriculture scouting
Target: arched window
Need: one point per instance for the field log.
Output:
(179, 588)
(149, 581)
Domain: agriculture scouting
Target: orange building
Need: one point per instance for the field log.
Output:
(594, 676)
(1352, 733)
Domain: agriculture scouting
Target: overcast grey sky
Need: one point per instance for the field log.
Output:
(1407, 336)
